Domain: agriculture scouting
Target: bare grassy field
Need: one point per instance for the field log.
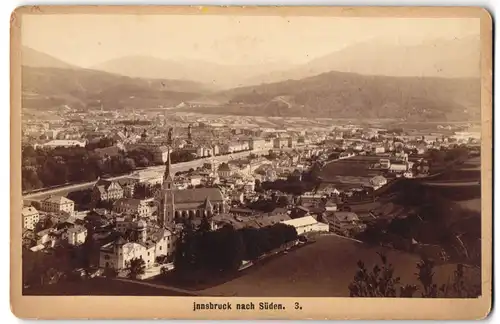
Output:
(99, 287)
(471, 204)
(322, 269)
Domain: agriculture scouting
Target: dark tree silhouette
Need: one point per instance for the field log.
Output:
(380, 282)
(136, 267)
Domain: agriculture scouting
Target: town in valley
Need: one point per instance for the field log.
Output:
(318, 186)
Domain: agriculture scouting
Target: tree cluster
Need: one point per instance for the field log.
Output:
(135, 267)
(223, 250)
(434, 220)
(50, 167)
(81, 198)
(380, 281)
(259, 241)
(440, 158)
(102, 142)
(40, 269)
(294, 187)
(44, 224)
(179, 156)
(136, 122)
(142, 157)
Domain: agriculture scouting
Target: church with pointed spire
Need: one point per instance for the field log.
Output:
(175, 205)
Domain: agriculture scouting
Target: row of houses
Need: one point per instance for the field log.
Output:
(52, 204)
(302, 225)
(65, 232)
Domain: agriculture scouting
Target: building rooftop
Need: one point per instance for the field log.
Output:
(77, 229)
(65, 143)
(302, 221)
(130, 201)
(197, 195)
(224, 167)
(57, 200)
(346, 216)
(28, 211)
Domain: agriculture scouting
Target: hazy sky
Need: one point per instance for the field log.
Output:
(86, 40)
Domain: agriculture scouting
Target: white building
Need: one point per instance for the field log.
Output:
(378, 181)
(385, 163)
(64, 143)
(160, 154)
(306, 224)
(224, 170)
(345, 155)
(258, 144)
(408, 174)
(238, 197)
(195, 180)
(57, 204)
(76, 235)
(400, 167)
(465, 136)
(344, 222)
(331, 207)
(204, 151)
(238, 146)
(280, 142)
(146, 246)
(44, 236)
(30, 217)
(292, 142)
(146, 177)
(133, 206)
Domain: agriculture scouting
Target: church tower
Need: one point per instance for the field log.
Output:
(167, 202)
(168, 180)
(190, 136)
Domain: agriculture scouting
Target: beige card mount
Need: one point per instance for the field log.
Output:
(251, 162)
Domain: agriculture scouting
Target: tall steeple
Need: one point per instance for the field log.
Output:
(168, 180)
(190, 138)
(208, 208)
(167, 201)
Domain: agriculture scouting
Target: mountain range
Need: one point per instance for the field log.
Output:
(351, 95)
(48, 82)
(435, 80)
(447, 58)
(34, 58)
(215, 75)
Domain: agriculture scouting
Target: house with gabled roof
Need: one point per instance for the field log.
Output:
(105, 190)
(30, 217)
(57, 204)
(145, 243)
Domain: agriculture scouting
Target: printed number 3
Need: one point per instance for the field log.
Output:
(297, 306)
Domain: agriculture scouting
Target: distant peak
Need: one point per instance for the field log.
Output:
(35, 58)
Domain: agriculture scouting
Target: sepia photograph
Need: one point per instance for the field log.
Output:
(251, 154)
